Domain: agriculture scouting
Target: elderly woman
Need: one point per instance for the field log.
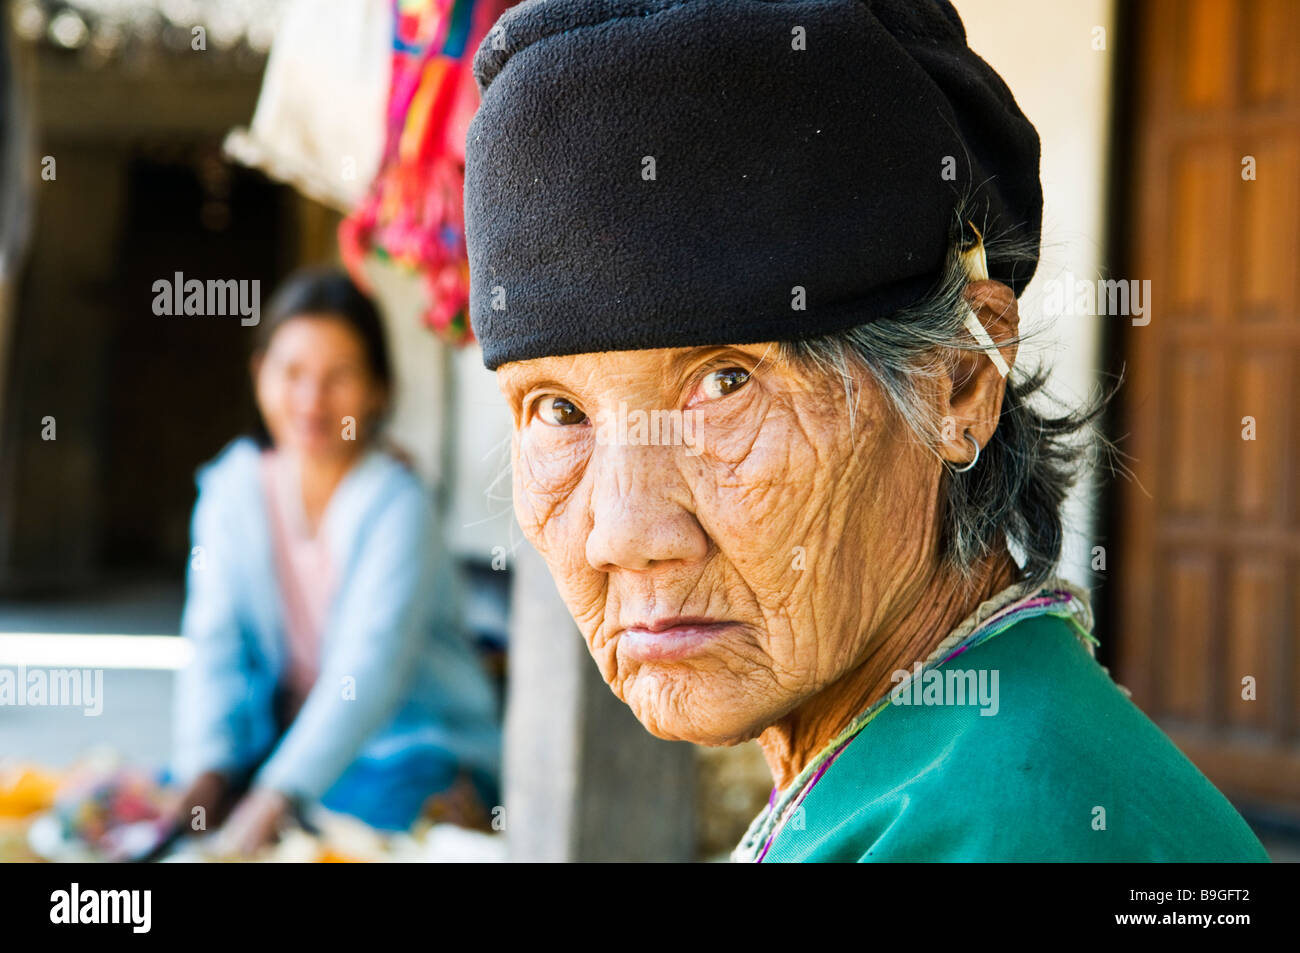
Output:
(748, 275)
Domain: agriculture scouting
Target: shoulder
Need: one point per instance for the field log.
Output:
(388, 485)
(235, 465)
(1060, 713)
(226, 483)
(381, 499)
(1053, 763)
(1088, 765)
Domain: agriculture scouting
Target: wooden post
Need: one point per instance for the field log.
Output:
(584, 781)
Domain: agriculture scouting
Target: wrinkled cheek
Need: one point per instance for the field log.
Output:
(537, 495)
(529, 516)
(769, 529)
(556, 524)
(549, 514)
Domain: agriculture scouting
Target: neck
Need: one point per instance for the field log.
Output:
(320, 476)
(793, 742)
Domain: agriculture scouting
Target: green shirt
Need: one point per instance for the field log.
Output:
(1064, 768)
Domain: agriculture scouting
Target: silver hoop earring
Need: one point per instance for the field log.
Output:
(975, 460)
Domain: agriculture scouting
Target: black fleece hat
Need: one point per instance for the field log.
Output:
(671, 173)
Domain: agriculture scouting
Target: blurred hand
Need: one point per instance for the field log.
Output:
(254, 823)
(209, 791)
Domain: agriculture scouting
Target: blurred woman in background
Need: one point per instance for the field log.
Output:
(329, 665)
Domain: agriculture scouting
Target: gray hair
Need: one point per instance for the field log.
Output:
(1016, 492)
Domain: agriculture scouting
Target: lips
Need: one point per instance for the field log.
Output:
(672, 639)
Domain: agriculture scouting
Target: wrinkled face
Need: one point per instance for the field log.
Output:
(727, 544)
(312, 378)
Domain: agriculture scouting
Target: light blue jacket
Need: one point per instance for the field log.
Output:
(399, 690)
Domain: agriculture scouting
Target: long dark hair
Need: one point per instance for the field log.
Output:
(327, 291)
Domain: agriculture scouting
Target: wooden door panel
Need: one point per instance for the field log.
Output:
(1210, 530)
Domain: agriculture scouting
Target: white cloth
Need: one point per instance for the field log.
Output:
(320, 119)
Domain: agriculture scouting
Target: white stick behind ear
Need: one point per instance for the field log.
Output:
(974, 258)
(976, 263)
(976, 328)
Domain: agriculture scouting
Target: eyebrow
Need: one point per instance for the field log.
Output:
(526, 379)
(520, 382)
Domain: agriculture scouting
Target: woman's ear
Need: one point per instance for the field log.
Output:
(973, 393)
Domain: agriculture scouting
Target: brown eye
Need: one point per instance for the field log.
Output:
(723, 382)
(559, 412)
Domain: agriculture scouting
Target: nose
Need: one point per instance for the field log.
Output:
(641, 510)
(309, 394)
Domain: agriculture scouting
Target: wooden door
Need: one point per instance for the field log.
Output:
(1208, 573)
